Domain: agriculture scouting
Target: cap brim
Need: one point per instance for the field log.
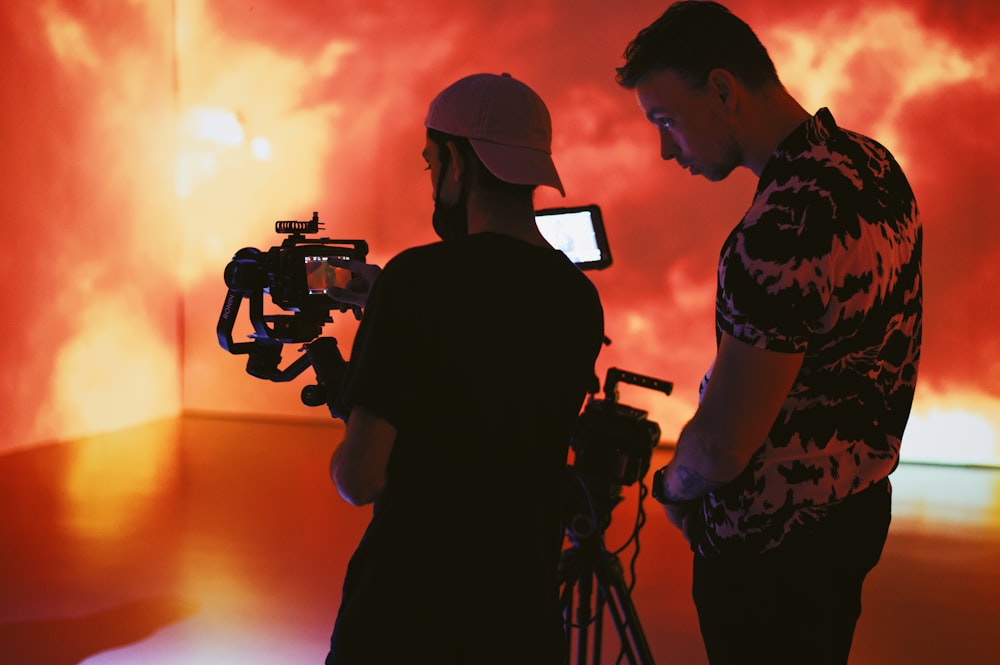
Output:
(518, 165)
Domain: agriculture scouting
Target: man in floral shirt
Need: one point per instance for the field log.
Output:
(780, 479)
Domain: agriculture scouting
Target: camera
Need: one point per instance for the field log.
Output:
(308, 277)
(311, 277)
(612, 444)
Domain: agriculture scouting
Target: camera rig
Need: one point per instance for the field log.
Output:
(309, 277)
(612, 444)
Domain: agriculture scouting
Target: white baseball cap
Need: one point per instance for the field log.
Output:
(507, 124)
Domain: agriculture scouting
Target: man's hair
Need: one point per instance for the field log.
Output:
(692, 38)
(484, 177)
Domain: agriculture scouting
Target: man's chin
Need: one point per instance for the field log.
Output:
(713, 175)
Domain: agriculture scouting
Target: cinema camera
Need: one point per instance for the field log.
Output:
(612, 444)
(309, 277)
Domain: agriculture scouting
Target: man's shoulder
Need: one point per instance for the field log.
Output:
(822, 163)
(445, 249)
(421, 257)
(482, 247)
(847, 152)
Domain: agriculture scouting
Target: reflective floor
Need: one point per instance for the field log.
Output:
(207, 541)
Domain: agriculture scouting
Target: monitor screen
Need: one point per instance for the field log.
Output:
(578, 232)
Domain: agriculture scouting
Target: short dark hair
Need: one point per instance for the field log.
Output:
(692, 38)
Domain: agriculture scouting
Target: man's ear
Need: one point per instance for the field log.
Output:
(457, 163)
(722, 83)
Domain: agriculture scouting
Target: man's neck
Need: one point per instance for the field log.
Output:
(772, 119)
(506, 216)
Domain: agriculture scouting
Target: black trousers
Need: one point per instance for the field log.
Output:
(800, 602)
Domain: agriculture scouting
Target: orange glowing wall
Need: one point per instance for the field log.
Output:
(148, 142)
(90, 338)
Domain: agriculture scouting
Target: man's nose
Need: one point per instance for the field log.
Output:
(668, 147)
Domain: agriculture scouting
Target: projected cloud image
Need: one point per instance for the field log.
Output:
(282, 108)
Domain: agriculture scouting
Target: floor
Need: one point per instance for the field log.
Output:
(208, 540)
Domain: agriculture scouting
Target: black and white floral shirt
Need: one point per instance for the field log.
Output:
(827, 262)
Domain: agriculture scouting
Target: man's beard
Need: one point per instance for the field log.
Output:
(451, 220)
(733, 157)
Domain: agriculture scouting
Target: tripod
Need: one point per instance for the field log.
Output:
(585, 563)
(612, 443)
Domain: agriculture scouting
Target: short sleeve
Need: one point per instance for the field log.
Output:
(775, 278)
(381, 364)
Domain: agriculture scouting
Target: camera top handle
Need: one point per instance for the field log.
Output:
(616, 376)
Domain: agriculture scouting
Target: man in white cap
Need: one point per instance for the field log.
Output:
(465, 380)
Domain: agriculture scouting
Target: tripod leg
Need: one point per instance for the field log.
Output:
(593, 575)
(585, 592)
(599, 621)
(577, 583)
(566, 602)
(612, 587)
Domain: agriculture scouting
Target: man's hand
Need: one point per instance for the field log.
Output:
(681, 511)
(677, 513)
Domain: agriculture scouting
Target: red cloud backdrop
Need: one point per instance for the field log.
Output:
(145, 145)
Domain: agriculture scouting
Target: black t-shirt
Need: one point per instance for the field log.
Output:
(479, 351)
